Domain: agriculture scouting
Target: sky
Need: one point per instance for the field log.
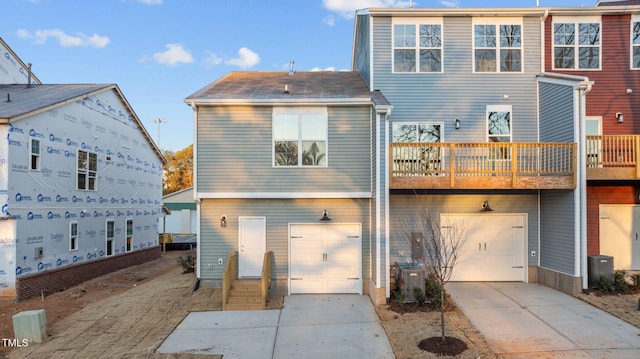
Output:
(159, 52)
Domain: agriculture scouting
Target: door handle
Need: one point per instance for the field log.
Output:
(485, 246)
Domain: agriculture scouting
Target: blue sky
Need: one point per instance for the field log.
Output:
(161, 51)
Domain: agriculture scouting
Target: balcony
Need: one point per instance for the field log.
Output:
(613, 157)
(483, 165)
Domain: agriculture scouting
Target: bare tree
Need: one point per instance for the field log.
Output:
(440, 244)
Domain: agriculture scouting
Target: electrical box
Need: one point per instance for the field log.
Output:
(38, 253)
(597, 266)
(30, 325)
(411, 277)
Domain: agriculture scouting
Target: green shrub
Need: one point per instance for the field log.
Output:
(433, 291)
(419, 296)
(635, 279)
(619, 282)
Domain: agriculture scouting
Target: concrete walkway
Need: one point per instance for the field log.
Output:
(308, 326)
(521, 320)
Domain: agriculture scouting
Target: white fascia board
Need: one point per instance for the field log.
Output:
(563, 79)
(459, 12)
(281, 102)
(282, 195)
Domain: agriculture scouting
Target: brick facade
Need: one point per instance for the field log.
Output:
(58, 279)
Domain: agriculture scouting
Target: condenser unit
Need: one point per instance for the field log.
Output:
(411, 277)
(597, 266)
(30, 325)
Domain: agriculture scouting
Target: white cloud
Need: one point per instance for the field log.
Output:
(329, 20)
(65, 40)
(347, 9)
(449, 3)
(213, 59)
(175, 54)
(151, 2)
(330, 68)
(246, 59)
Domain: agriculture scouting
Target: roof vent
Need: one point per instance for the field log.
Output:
(29, 75)
(291, 72)
(8, 97)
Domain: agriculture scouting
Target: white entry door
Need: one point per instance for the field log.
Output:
(493, 249)
(325, 258)
(251, 245)
(619, 232)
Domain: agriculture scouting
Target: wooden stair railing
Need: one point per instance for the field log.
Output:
(229, 275)
(265, 282)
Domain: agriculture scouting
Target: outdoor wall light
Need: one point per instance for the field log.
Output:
(629, 91)
(456, 123)
(325, 216)
(223, 221)
(619, 117)
(505, 97)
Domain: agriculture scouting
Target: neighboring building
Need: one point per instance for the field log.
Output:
(275, 150)
(182, 219)
(80, 186)
(603, 44)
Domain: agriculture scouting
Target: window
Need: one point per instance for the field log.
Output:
(35, 155)
(421, 156)
(109, 237)
(73, 236)
(635, 43)
(499, 130)
(417, 47)
(87, 170)
(299, 137)
(129, 238)
(497, 47)
(576, 43)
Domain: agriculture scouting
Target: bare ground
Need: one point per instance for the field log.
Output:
(128, 313)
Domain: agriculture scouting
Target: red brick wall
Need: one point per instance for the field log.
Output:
(54, 280)
(609, 193)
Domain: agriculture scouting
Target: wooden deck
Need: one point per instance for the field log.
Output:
(483, 165)
(613, 157)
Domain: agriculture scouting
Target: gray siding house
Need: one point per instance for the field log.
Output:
(283, 163)
(479, 136)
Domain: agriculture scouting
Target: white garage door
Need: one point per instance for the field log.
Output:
(325, 258)
(494, 247)
(619, 228)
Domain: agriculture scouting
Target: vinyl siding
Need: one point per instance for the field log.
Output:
(362, 53)
(405, 210)
(556, 113)
(557, 231)
(216, 242)
(235, 153)
(458, 92)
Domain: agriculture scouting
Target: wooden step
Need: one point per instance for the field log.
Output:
(244, 300)
(245, 293)
(243, 307)
(246, 284)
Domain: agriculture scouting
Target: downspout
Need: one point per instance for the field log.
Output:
(196, 198)
(386, 203)
(583, 89)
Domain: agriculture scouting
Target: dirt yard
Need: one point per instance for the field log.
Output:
(128, 313)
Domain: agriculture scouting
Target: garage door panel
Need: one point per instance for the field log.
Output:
(325, 258)
(493, 249)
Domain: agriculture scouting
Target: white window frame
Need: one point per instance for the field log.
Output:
(499, 108)
(109, 237)
(417, 124)
(73, 237)
(513, 21)
(635, 19)
(86, 171)
(417, 48)
(300, 138)
(576, 21)
(35, 157)
(497, 156)
(128, 235)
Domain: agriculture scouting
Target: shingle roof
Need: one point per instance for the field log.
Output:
(619, 3)
(265, 86)
(17, 100)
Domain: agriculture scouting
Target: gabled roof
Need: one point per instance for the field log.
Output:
(20, 101)
(11, 56)
(261, 87)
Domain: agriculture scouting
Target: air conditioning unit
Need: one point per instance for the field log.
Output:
(597, 266)
(30, 325)
(411, 277)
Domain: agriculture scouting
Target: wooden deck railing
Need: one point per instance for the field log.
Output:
(265, 282)
(613, 157)
(465, 165)
(228, 276)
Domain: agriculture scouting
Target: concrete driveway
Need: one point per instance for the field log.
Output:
(525, 320)
(308, 326)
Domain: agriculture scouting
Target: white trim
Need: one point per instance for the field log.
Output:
(300, 113)
(634, 19)
(377, 204)
(498, 108)
(284, 195)
(387, 163)
(281, 102)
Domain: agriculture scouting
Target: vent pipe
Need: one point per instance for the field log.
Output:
(291, 72)
(28, 75)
